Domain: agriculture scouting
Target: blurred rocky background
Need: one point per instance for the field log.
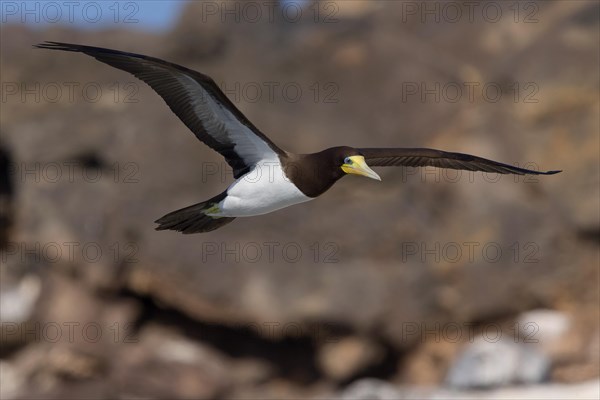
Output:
(429, 284)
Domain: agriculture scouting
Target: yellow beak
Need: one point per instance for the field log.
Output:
(358, 166)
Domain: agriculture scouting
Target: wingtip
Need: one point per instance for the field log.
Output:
(532, 172)
(51, 45)
(45, 45)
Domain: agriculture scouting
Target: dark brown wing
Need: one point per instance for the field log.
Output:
(440, 159)
(196, 99)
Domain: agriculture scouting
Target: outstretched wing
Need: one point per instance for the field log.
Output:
(440, 159)
(196, 99)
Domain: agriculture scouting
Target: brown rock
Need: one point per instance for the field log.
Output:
(344, 358)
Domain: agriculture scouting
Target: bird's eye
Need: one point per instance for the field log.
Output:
(347, 160)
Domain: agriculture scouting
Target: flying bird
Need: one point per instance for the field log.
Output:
(268, 178)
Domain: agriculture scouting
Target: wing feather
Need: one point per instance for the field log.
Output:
(419, 157)
(196, 99)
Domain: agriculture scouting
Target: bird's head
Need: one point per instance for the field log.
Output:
(352, 162)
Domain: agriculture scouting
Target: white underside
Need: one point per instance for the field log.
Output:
(262, 190)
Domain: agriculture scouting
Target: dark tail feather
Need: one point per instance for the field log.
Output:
(192, 219)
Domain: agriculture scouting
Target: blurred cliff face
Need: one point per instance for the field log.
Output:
(368, 281)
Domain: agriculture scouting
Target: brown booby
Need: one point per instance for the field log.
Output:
(267, 177)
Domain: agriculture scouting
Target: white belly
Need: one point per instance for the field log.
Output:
(262, 190)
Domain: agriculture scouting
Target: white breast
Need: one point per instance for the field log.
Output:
(262, 190)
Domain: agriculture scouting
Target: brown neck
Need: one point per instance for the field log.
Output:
(312, 173)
